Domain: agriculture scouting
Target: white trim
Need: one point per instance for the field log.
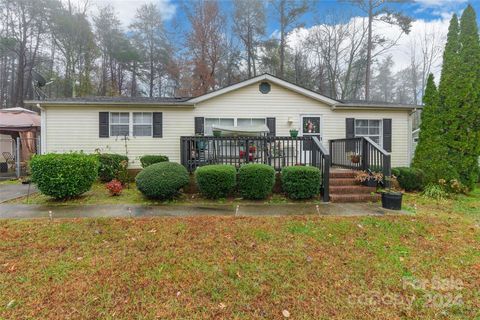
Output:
(269, 78)
(43, 130)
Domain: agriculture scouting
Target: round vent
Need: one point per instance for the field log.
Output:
(264, 87)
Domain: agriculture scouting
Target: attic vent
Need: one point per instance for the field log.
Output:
(264, 87)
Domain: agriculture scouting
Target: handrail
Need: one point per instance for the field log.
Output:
(377, 146)
(324, 168)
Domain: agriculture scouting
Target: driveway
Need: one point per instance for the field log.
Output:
(11, 191)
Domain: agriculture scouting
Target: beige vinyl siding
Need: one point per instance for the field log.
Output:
(76, 128)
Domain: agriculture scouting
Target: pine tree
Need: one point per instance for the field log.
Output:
(430, 154)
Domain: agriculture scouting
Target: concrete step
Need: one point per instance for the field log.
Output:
(355, 197)
(342, 174)
(356, 189)
(343, 182)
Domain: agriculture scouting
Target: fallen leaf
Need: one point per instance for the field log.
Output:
(286, 314)
(222, 305)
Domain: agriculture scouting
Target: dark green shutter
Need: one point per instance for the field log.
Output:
(157, 125)
(272, 126)
(103, 125)
(387, 134)
(199, 126)
(350, 133)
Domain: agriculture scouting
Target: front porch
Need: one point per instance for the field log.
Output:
(359, 153)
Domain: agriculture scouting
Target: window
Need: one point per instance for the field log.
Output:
(142, 124)
(209, 122)
(248, 122)
(369, 128)
(119, 123)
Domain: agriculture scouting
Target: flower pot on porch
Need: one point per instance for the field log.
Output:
(392, 200)
(370, 183)
(293, 133)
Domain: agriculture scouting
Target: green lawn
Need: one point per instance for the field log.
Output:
(246, 267)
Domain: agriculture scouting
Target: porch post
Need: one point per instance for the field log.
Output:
(364, 150)
(17, 158)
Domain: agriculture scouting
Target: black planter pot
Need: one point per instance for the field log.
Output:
(370, 183)
(392, 200)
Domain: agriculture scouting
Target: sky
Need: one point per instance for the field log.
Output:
(432, 15)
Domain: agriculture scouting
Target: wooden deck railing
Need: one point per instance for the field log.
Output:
(277, 152)
(360, 153)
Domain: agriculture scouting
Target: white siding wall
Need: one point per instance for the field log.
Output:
(76, 128)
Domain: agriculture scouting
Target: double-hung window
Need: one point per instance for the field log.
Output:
(248, 122)
(119, 123)
(142, 124)
(369, 128)
(209, 122)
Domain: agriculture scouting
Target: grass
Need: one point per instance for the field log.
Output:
(246, 267)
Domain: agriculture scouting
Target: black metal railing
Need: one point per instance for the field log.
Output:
(277, 152)
(360, 153)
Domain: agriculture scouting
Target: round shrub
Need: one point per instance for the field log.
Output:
(255, 180)
(216, 181)
(162, 180)
(63, 176)
(301, 182)
(109, 165)
(410, 179)
(150, 159)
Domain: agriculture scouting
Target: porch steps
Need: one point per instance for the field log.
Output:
(344, 188)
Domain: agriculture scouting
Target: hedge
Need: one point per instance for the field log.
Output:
(301, 182)
(255, 180)
(150, 159)
(216, 181)
(110, 165)
(63, 176)
(162, 180)
(410, 179)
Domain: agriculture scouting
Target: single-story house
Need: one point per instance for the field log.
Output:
(140, 125)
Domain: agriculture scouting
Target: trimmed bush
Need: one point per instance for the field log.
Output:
(410, 179)
(109, 165)
(255, 180)
(216, 181)
(301, 182)
(63, 176)
(150, 159)
(162, 180)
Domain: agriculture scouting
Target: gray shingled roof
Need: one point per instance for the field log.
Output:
(100, 99)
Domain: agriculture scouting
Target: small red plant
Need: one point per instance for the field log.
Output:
(115, 187)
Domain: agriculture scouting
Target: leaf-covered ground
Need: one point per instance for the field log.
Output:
(304, 267)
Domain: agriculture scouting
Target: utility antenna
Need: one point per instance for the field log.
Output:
(39, 82)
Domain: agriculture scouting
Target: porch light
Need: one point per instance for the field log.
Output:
(290, 119)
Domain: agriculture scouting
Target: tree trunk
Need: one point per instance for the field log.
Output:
(369, 51)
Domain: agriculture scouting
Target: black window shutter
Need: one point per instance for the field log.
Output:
(103, 123)
(199, 126)
(387, 134)
(350, 133)
(272, 126)
(157, 125)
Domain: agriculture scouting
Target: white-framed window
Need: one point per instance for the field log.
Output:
(119, 123)
(209, 122)
(142, 124)
(247, 122)
(369, 128)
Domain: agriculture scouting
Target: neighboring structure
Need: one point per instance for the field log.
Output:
(139, 126)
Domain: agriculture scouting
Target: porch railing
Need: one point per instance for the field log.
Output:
(360, 153)
(277, 152)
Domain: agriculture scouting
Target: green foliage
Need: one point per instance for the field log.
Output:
(410, 179)
(216, 181)
(255, 180)
(64, 176)
(150, 159)
(435, 191)
(162, 180)
(301, 182)
(110, 165)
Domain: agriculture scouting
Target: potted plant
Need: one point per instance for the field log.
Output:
(369, 179)
(293, 133)
(391, 199)
(355, 158)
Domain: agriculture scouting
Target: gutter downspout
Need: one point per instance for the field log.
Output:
(43, 129)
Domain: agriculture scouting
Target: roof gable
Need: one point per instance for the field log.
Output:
(269, 78)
